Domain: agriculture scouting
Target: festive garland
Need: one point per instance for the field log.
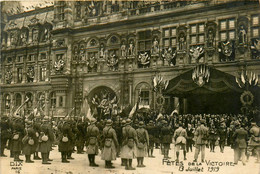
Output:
(160, 100)
(249, 98)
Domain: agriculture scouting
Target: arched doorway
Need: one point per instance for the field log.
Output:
(103, 102)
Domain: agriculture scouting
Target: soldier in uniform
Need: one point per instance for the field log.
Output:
(29, 142)
(37, 129)
(18, 132)
(110, 144)
(212, 138)
(92, 142)
(123, 124)
(129, 142)
(240, 140)
(222, 133)
(73, 138)
(190, 135)
(80, 136)
(180, 136)
(143, 142)
(5, 134)
(151, 132)
(45, 140)
(166, 138)
(200, 137)
(254, 142)
(65, 141)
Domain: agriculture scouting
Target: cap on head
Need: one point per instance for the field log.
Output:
(93, 121)
(128, 121)
(141, 124)
(109, 122)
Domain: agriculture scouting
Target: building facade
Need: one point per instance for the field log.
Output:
(108, 52)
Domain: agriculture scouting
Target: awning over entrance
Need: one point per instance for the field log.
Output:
(218, 82)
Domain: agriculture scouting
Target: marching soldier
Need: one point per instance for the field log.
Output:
(5, 134)
(110, 144)
(92, 142)
(222, 133)
(151, 133)
(200, 137)
(190, 135)
(16, 145)
(180, 136)
(123, 124)
(166, 138)
(80, 136)
(73, 137)
(254, 142)
(129, 141)
(143, 142)
(45, 140)
(65, 141)
(240, 140)
(29, 142)
(37, 129)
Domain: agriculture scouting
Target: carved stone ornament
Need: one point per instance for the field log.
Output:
(112, 62)
(60, 43)
(211, 34)
(123, 49)
(8, 76)
(34, 20)
(168, 54)
(92, 62)
(13, 37)
(144, 59)
(23, 38)
(102, 51)
(196, 52)
(255, 48)
(30, 74)
(59, 65)
(131, 48)
(155, 47)
(226, 51)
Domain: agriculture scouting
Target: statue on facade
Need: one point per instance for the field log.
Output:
(82, 54)
(182, 41)
(13, 37)
(168, 54)
(46, 34)
(59, 64)
(242, 35)
(211, 37)
(92, 63)
(112, 62)
(102, 51)
(131, 49)
(123, 49)
(23, 38)
(8, 76)
(35, 35)
(30, 74)
(155, 47)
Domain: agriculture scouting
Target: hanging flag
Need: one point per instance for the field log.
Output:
(256, 80)
(85, 107)
(250, 78)
(133, 111)
(243, 78)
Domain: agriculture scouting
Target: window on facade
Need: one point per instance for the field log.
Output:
(144, 98)
(227, 29)
(18, 100)
(43, 56)
(255, 26)
(60, 101)
(35, 35)
(169, 37)
(60, 10)
(9, 59)
(31, 57)
(197, 35)
(78, 9)
(19, 75)
(29, 104)
(43, 72)
(7, 101)
(20, 59)
(144, 41)
(53, 99)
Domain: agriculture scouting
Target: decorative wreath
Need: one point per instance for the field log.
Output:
(160, 100)
(247, 98)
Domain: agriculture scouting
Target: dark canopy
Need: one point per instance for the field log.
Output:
(219, 82)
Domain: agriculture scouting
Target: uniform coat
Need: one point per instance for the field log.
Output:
(92, 132)
(65, 132)
(255, 136)
(128, 133)
(200, 135)
(109, 153)
(240, 137)
(27, 148)
(16, 145)
(45, 146)
(143, 137)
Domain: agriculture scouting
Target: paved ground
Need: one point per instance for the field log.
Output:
(153, 165)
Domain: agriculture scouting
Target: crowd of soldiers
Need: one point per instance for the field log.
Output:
(129, 138)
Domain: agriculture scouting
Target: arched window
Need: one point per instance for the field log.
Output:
(143, 94)
(29, 104)
(53, 99)
(18, 100)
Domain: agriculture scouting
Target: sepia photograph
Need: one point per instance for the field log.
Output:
(130, 87)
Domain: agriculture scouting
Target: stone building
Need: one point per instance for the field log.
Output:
(108, 53)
